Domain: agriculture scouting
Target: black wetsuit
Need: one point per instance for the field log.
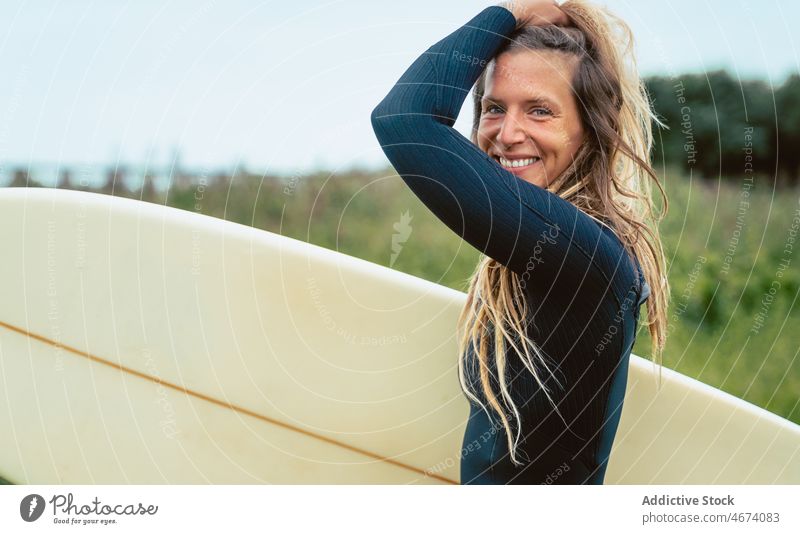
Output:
(584, 290)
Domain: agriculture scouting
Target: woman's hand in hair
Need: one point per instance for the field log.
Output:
(536, 12)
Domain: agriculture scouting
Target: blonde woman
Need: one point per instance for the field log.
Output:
(555, 190)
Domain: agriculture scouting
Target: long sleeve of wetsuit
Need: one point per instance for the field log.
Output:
(517, 223)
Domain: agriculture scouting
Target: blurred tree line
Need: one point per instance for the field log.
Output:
(722, 126)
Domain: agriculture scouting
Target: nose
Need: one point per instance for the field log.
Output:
(511, 131)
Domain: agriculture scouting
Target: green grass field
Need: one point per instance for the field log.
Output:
(722, 275)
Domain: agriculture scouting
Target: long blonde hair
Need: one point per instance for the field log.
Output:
(610, 178)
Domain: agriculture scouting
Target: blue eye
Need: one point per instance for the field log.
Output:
(546, 110)
(493, 107)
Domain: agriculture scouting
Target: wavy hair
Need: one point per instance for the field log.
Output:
(609, 180)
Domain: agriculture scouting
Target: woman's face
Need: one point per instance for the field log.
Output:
(529, 112)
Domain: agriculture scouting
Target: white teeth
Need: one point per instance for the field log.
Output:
(518, 162)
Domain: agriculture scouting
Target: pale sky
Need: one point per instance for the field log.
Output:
(286, 87)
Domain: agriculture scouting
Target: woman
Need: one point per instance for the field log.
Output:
(554, 190)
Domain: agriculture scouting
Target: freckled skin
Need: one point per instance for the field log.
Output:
(509, 126)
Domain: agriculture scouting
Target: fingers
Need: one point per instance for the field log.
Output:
(537, 12)
(555, 17)
(551, 14)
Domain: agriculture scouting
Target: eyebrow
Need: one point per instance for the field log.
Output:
(537, 99)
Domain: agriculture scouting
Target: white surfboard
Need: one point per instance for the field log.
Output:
(144, 344)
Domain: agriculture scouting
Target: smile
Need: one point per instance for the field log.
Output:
(518, 164)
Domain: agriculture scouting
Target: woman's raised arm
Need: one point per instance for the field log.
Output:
(517, 223)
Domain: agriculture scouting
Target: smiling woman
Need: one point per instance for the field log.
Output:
(528, 118)
(554, 190)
